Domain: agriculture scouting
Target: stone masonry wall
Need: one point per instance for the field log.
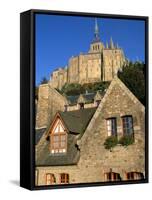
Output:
(121, 159)
(42, 106)
(95, 160)
(56, 102)
(49, 102)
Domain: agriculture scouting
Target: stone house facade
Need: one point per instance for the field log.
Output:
(101, 63)
(71, 147)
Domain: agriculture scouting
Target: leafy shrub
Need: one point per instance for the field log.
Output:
(133, 76)
(126, 140)
(110, 142)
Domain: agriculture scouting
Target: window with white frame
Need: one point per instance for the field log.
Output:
(58, 143)
(112, 126)
(50, 179)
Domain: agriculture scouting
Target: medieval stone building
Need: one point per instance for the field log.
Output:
(101, 63)
(70, 147)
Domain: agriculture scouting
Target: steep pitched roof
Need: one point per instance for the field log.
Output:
(76, 121)
(38, 134)
(89, 97)
(72, 99)
(71, 157)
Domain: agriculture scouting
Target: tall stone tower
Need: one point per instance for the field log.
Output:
(101, 63)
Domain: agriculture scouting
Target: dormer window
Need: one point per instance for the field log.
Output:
(81, 106)
(58, 139)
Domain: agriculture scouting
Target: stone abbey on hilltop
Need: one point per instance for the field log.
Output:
(71, 130)
(101, 63)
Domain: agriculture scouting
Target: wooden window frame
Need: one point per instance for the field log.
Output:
(109, 126)
(49, 177)
(112, 176)
(64, 178)
(125, 125)
(134, 175)
(59, 149)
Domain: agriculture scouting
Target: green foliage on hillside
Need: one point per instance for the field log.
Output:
(133, 76)
(76, 89)
(72, 89)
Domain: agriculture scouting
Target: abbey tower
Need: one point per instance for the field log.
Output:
(101, 63)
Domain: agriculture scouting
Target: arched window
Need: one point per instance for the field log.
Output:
(134, 176)
(50, 179)
(58, 137)
(64, 178)
(112, 176)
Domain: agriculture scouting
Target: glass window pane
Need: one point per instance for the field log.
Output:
(63, 137)
(127, 125)
(55, 138)
(56, 145)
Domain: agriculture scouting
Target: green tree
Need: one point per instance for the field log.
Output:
(133, 77)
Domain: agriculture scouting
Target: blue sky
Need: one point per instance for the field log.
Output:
(60, 37)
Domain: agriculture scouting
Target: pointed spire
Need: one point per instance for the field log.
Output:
(111, 43)
(96, 26)
(117, 46)
(96, 32)
(107, 45)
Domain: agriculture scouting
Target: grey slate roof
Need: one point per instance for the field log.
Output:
(89, 97)
(38, 134)
(71, 157)
(72, 99)
(76, 122)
